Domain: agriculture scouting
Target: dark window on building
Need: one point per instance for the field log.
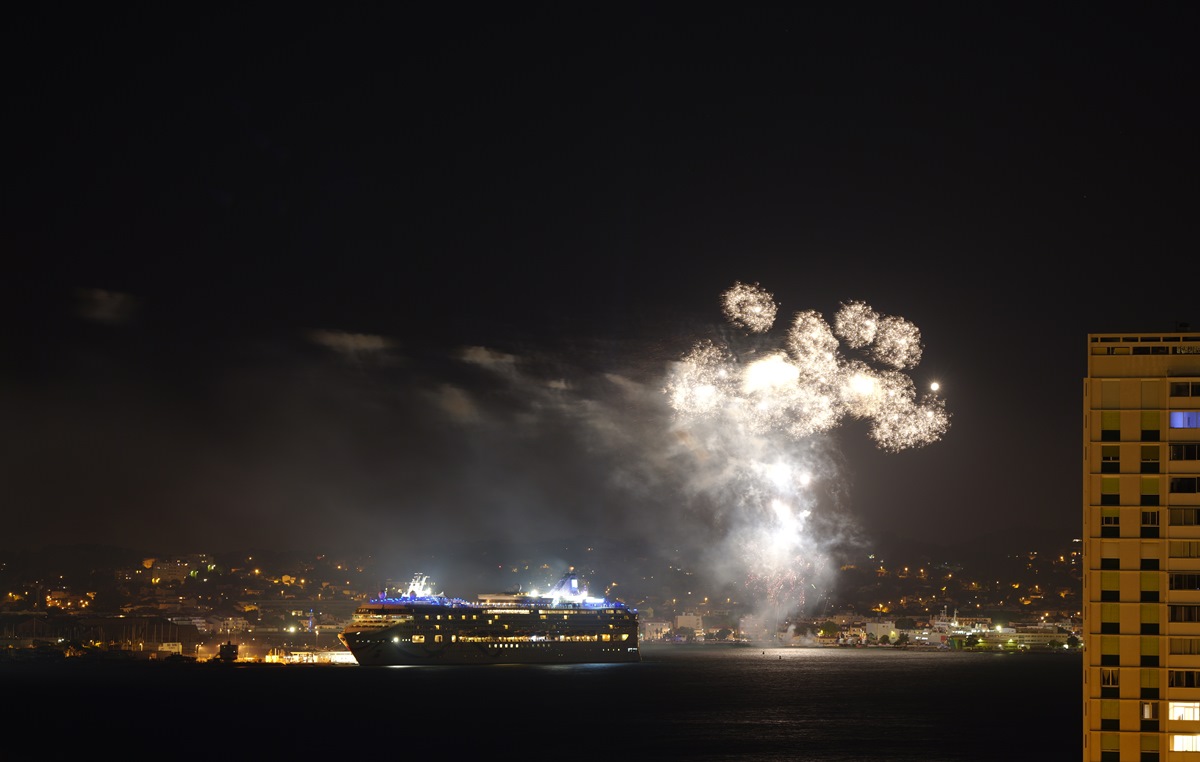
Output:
(1185, 517)
(1150, 435)
(1149, 523)
(1148, 628)
(1185, 389)
(1183, 484)
(1184, 613)
(1110, 724)
(1149, 564)
(1185, 582)
(1185, 452)
(1110, 435)
(1110, 459)
(1110, 596)
(1110, 500)
(1149, 661)
(1149, 596)
(1110, 660)
(1149, 499)
(1110, 564)
(1183, 678)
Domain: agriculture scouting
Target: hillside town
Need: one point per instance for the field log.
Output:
(67, 602)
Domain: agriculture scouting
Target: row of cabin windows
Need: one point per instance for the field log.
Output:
(1110, 457)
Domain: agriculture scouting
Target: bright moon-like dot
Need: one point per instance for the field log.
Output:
(935, 386)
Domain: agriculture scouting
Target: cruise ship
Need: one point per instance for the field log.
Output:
(563, 626)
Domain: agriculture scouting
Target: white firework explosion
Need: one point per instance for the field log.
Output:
(754, 412)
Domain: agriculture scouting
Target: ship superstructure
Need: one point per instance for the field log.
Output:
(563, 626)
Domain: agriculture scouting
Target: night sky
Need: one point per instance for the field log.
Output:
(394, 279)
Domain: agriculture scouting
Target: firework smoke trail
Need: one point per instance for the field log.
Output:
(755, 422)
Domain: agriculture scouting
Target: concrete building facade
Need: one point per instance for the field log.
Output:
(1141, 524)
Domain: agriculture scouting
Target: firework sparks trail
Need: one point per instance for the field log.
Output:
(753, 413)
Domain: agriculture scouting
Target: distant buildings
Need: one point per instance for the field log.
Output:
(1141, 520)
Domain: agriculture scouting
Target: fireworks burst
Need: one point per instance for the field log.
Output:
(749, 307)
(808, 387)
(754, 412)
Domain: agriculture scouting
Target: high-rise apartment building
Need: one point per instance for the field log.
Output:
(1141, 523)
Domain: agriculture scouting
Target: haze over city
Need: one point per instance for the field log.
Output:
(398, 279)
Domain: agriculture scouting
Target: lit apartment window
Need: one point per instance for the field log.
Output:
(1182, 742)
(1185, 419)
(1149, 716)
(1110, 682)
(1187, 711)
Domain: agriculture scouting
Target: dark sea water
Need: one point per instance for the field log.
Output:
(681, 702)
